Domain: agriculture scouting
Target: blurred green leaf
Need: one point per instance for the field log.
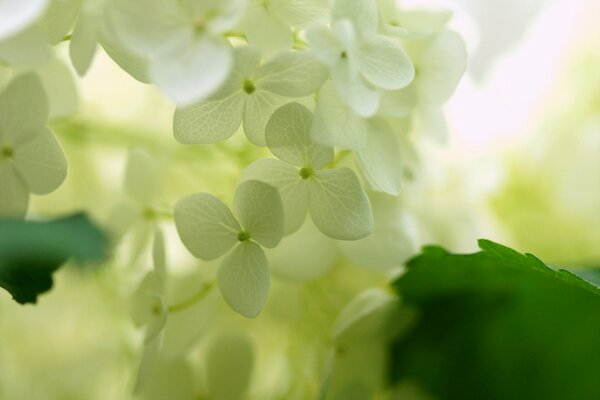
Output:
(30, 251)
(497, 324)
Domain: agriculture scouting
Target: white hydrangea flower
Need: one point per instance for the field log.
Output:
(209, 230)
(17, 15)
(338, 205)
(184, 40)
(250, 95)
(31, 160)
(361, 60)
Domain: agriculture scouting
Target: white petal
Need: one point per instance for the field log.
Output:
(244, 280)
(84, 41)
(260, 211)
(292, 74)
(40, 160)
(229, 367)
(393, 241)
(398, 103)
(325, 45)
(14, 196)
(416, 23)
(16, 15)
(23, 107)
(335, 124)
(59, 18)
(303, 256)
(380, 160)
(288, 138)
(363, 100)
(148, 307)
(59, 85)
(300, 13)
(338, 205)
(292, 189)
(362, 13)
(142, 177)
(264, 30)
(28, 48)
(192, 72)
(260, 105)
(205, 225)
(384, 63)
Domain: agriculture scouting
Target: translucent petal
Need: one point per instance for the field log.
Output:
(40, 160)
(149, 354)
(16, 15)
(244, 280)
(209, 121)
(335, 124)
(292, 189)
(23, 107)
(246, 61)
(325, 45)
(292, 74)
(84, 41)
(412, 24)
(338, 205)
(27, 48)
(288, 138)
(264, 30)
(190, 71)
(205, 225)
(362, 13)
(431, 122)
(120, 219)
(148, 307)
(59, 85)
(398, 103)
(159, 259)
(142, 177)
(393, 241)
(441, 66)
(380, 159)
(219, 15)
(59, 18)
(260, 105)
(303, 256)
(229, 367)
(260, 211)
(363, 100)
(14, 196)
(300, 13)
(384, 63)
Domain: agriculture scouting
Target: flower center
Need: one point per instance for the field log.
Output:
(149, 214)
(343, 55)
(243, 236)
(6, 152)
(306, 172)
(249, 86)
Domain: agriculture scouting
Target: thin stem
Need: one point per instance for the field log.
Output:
(204, 291)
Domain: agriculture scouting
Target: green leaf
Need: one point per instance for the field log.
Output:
(495, 324)
(259, 209)
(31, 251)
(288, 137)
(205, 225)
(339, 206)
(244, 279)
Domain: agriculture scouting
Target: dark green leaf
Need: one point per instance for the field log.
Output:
(498, 324)
(30, 251)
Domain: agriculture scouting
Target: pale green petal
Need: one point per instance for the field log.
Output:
(380, 159)
(441, 66)
(40, 160)
(246, 61)
(210, 121)
(14, 196)
(120, 220)
(23, 107)
(393, 241)
(59, 84)
(149, 354)
(139, 237)
(84, 41)
(142, 177)
(304, 255)
(16, 15)
(205, 225)
(431, 122)
(27, 48)
(338, 205)
(260, 105)
(229, 367)
(288, 138)
(398, 103)
(325, 45)
(362, 99)
(300, 13)
(264, 30)
(292, 74)
(244, 280)
(260, 211)
(335, 124)
(148, 307)
(362, 13)
(159, 259)
(291, 187)
(384, 63)
(59, 18)
(192, 71)
(412, 24)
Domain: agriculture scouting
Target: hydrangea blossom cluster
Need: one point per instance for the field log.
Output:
(333, 94)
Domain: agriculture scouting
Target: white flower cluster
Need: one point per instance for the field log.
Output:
(335, 90)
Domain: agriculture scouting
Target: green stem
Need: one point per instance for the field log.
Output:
(204, 291)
